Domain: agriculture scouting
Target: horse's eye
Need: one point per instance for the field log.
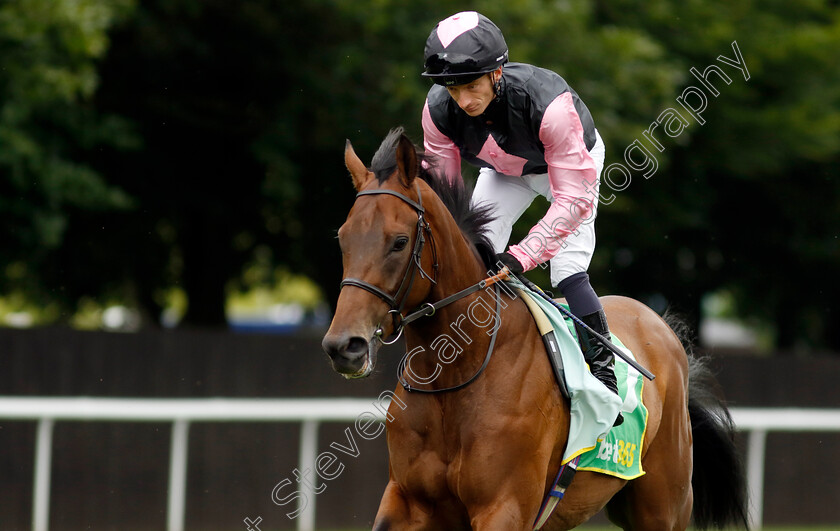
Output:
(400, 244)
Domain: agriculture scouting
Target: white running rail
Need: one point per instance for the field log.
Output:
(757, 422)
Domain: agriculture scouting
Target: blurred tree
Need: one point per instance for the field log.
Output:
(622, 74)
(48, 54)
(746, 202)
(243, 110)
(201, 81)
(237, 114)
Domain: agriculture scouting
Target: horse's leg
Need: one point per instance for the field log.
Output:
(502, 490)
(503, 516)
(397, 512)
(393, 510)
(509, 511)
(661, 500)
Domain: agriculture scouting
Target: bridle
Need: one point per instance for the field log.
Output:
(427, 309)
(396, 302)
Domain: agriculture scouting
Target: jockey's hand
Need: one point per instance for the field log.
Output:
(507, 259)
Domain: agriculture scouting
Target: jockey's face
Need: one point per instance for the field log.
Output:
(474, 97)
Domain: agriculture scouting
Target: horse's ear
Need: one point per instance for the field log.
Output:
(358, 170)
(407, 161)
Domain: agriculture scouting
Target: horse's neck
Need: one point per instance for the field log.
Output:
(454, 342)
(459, 265)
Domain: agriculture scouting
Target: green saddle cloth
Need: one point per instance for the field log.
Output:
(618, 453)
(601, 447)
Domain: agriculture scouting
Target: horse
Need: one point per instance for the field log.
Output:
(483, 453)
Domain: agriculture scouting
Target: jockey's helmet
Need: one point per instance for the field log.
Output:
(463, 48)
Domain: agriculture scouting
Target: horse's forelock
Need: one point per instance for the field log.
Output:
(384, 163)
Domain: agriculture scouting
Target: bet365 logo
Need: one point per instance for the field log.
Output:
(621, 452)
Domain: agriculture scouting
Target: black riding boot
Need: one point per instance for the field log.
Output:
(600, 359)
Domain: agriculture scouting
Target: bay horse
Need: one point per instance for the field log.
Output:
(483, 456)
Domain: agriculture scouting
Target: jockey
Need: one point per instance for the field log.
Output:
(530, 134)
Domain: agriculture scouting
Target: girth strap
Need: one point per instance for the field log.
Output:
(558, 490)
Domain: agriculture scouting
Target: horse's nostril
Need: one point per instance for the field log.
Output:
(332, 346)
(357, 345)
(350, 348)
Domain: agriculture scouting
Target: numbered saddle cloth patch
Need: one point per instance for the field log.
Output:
(618, 454)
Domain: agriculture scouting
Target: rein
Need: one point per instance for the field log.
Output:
(427, 309)
(487, 356)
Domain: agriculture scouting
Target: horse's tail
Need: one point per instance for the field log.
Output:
(718, 481)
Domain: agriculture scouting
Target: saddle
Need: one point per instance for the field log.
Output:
(549, 338)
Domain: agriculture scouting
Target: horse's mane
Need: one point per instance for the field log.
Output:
(471, 219)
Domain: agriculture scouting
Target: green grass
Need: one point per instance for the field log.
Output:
(769, 528)
(601, 528)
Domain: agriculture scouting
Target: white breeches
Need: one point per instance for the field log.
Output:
(512, 196)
